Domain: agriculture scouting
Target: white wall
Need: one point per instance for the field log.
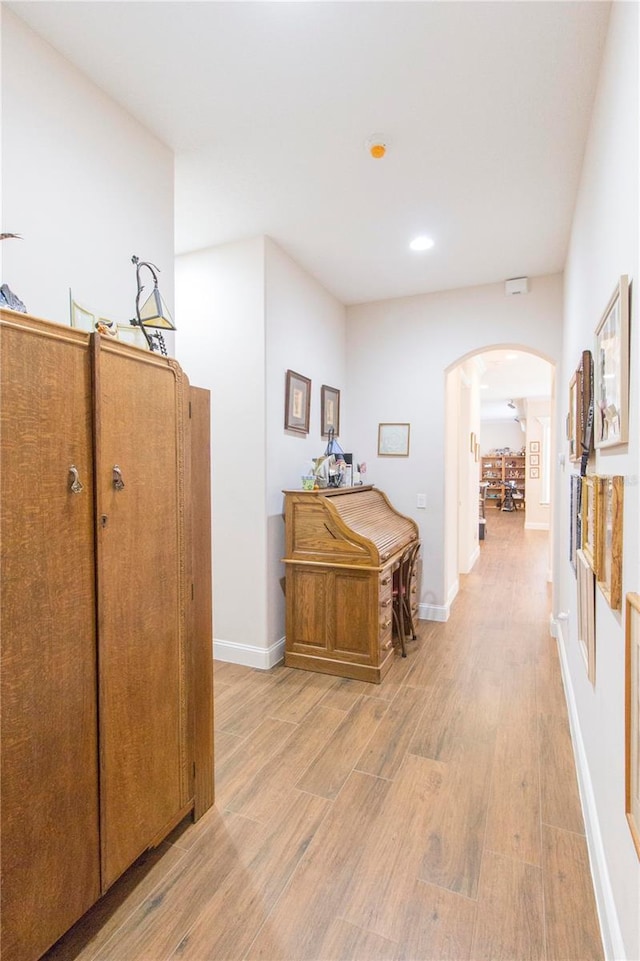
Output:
(84, 183)
(221, 343)
(306, 332)
(604, 245)
(398, 355)
(495, 434)
(538, 513)
(246, 313)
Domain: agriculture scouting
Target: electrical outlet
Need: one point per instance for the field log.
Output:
(421, 500)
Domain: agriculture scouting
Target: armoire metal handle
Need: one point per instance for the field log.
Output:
(75, 486)
(118, 482)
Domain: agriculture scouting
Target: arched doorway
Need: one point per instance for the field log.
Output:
(498, 397)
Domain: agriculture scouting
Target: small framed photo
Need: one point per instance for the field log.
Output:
(297, 402)
(587, 614)
(477, 452)
(534, 460)
(609, 540)
(472, 442)
(534, 473)
(589, 520)
(329, 410)
(534, 446)
(132, 335)
(611, 378)
(632, 717)
(82, 319)
(393, 440)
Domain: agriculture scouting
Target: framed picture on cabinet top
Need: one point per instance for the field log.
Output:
(589, 520)
(587, 614)
(632, 717)
(81, 318)
(393, 440)
(609, 539)
(297, 402)
(132, 335)
(611, 376)
(329, 410)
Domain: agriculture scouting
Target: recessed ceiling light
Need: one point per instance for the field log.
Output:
(511, 356)
(484, 387)
(421, 243)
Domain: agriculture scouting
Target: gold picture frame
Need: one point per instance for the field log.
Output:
(393, 440)
(589, 520)
(611, 374)
(632, 717)
(586, 614)
(610, 494)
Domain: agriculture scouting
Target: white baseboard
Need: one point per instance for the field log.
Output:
(439, 612)
(263, 658)
(612, 940)
(536, 526)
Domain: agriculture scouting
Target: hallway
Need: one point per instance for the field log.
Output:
(435, 816)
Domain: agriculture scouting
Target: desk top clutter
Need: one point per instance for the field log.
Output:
(334, 468)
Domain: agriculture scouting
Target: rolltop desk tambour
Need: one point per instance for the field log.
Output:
(342, 547)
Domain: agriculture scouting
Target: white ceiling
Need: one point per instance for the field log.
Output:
(510, 377)
(268, 106)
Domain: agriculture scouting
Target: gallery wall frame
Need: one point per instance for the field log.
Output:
(611, 371)
(572, 421)
(584, 379)
(575, 537)
(586, 614)
(329, 410)
(610, 493)
(589, 520)
(297, 402)
(534, 446)
(632, 717)
(393, 440)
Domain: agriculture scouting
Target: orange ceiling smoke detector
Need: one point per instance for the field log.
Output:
(377, 146)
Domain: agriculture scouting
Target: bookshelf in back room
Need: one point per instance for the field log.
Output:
(497, 470)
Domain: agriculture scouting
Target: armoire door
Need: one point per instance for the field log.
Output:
(49, 769)
(145, 781)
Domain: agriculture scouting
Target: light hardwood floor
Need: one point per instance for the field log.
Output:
(435, 816)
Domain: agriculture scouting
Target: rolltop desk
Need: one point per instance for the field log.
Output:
(342, 548)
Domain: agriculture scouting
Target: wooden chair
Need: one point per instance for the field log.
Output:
(402, 580)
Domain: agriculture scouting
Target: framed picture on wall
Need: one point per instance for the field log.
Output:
(611, 376)
(534, 473)
(572, 421)
(393, 440)
(329, 410)
(586, 614)
(589, 520)
(297, 402)
(534, 446)
(584, 377)
(575, 539)
(534, 460)
(609, 541)
(632, 717)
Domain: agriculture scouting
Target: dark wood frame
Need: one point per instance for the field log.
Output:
(327, 396)
(632, 714)
(620, 300)
(293, 420)
(584, 376)
(575, 532)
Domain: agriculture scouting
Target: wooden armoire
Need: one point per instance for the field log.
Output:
(107, 717)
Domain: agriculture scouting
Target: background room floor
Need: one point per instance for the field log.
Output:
(435, 816)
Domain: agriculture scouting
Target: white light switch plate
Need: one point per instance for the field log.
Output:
(421, 500)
